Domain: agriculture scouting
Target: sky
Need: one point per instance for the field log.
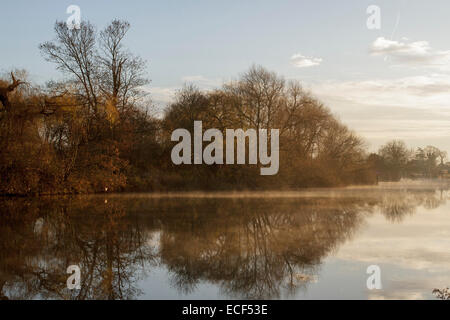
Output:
(387, 83)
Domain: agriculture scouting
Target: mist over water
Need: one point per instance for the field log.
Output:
(312, 244)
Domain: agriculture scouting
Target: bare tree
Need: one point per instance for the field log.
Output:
(258, 96)
(103, 72)
(74, 53)
(121, 73)
(395, 155)
(4, 91)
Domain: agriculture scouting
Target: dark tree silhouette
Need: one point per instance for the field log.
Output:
(4, 91)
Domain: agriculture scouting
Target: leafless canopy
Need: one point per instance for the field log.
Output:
(4, 91)
(101, 70)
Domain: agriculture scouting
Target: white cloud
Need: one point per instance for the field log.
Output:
(194, 78)
(300, 61)
(417, 53)
(414, 108)
(162, 95)
(430, 91)
(201, 81)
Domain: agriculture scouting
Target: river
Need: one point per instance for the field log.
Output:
(312, 244)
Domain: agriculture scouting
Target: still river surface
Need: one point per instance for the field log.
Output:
(313, 244)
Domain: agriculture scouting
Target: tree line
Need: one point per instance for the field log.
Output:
(395, 160)
(93, 131)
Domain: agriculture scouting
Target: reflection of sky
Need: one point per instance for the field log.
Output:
(413, 255)
(391, 226)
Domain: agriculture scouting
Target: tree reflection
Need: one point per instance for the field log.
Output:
(252, 248)
(396, 206)
(40, 241)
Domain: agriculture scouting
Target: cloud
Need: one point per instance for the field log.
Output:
(412, 108)
(429, 91)
(201, 81)
(417, 53)
(194, 78)
(300, 61)
(162, 95)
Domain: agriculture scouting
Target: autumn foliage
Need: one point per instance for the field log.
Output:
(93, 132)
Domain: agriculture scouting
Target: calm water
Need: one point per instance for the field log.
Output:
(275, 245)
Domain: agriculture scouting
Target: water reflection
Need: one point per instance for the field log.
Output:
(39, 240)
(249, 247)
(252, 248)
(396, 206)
